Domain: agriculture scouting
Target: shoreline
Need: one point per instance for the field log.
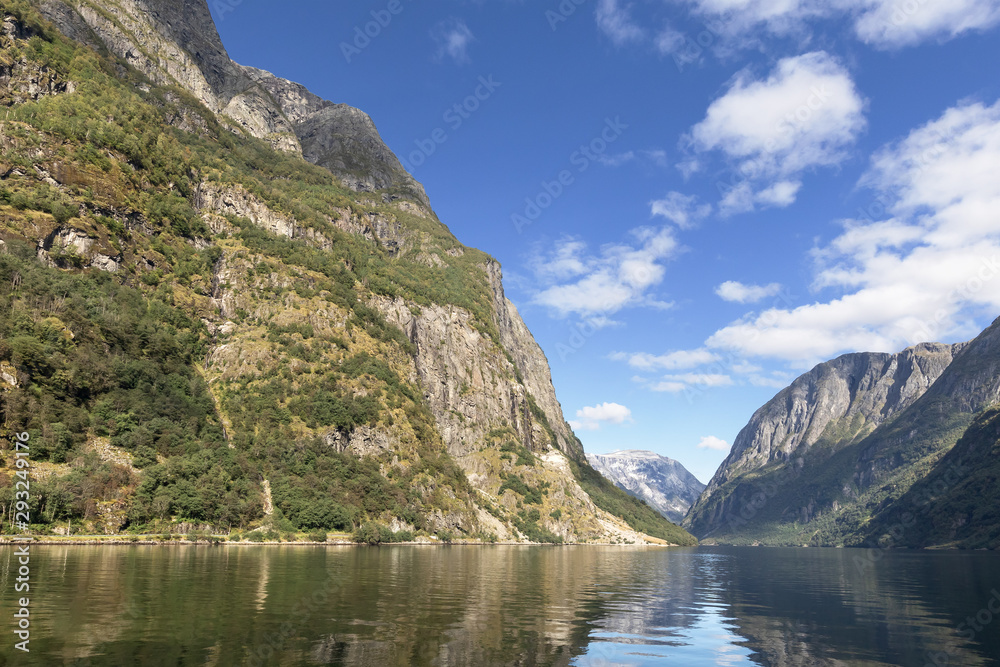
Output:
(116, 541)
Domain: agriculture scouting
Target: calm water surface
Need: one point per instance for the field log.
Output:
(502, 606)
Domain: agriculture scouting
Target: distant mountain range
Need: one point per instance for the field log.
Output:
(663, 483)
(868, 449)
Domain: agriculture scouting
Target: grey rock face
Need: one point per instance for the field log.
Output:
(471, 384)
(339, 137)
(175, 41)
(835, 404)
(531, 362)
(662, 482)
(345, 141)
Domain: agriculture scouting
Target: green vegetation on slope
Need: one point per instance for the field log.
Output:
(137, 434)
(957, 504)
(93, 356)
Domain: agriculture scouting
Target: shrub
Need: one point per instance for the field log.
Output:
(369, 533)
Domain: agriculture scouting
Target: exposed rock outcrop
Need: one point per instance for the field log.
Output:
(20, 79)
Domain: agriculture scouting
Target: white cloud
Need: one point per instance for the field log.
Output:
(713, 443)
(882, 23)
(616, 160)
(928, 271)
(678, 360)
(616, 22)
(675, 384)
(453, 38)
(739, 293)
(701, 379)
(682, 210)
(619, 276)
(669, 387)
(591, 418)
(891, 23)
(806, 114)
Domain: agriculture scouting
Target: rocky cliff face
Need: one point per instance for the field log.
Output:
(338, 356)
(340, 138)
(834, 405)
(663, 483)
(846, 440)
(175, 42)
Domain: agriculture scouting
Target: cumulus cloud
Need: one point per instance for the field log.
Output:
(677, 360)
(453, 38)
(616, 22)
(591, 418)
(926, 270)
(713, 443)
(805, 114)
(618, 276)
(682, 210)
(739, 293)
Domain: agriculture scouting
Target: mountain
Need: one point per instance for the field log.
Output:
(225, 303)
(663, 483)
(846, 442)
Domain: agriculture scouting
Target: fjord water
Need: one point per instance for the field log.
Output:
(503, 605)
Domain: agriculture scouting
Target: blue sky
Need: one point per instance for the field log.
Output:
(694, 201)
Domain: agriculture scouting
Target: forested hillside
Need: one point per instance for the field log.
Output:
(202, 328)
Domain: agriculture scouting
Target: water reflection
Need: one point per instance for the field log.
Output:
(501, 606)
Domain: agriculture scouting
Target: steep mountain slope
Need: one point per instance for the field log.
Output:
(957, 504)
(299, 345)
(844, 440)
(664, 484)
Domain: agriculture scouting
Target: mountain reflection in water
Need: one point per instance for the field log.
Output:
(503, 605)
